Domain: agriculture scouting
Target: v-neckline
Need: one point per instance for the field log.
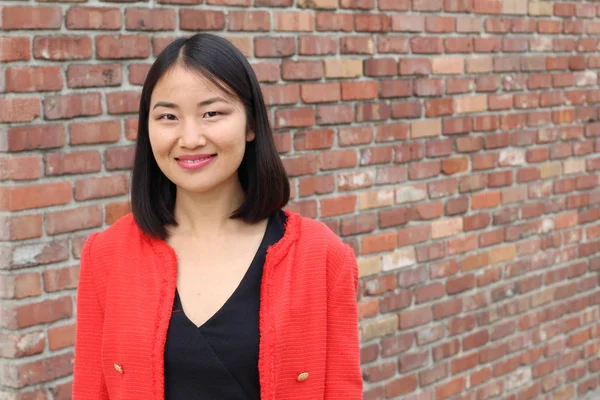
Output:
(235, 291)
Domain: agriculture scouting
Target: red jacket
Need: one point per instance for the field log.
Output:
(308, 315)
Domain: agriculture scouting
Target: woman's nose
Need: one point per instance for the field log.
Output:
(192, 135)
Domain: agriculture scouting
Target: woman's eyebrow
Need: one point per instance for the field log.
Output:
(200, 104)
(164, 104)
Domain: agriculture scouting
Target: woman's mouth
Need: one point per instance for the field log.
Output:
(191, 162)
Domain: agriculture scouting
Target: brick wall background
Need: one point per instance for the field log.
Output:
(452, 143)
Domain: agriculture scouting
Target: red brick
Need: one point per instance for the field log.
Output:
(395, 302)
(41, 370)
(400, 386)
(114, 211)
(379, 243)
(22, 345)
(450, 389)
(426, 45)
(460, 284)
(485, 200)
(433, 374)
(73, 163)
(293, 118)
(302, 70)
(83, 76)
(19, 109)
(62, 48)
(61, 279)
(379, 372)
(409, 362)
(61, 336)
(397, 5)
(316, 45)
(182, 2)
(72, 105)
(424, 170)
(290, 21)
(266, 71)
(358, 4)
(440, 24)
(34, 196)
(160, 42)
(362, 223)
(372, 111)
(330, 21)
(371, 22)
(274, 47)
(20, 168)
(406, 23)
(244, 20)
(369, 353)
(15, 49)
(414, 317)
(122, 102)
(357, 45)
(464, 363)
(445, 350)
(316, 139)
(429, 87)
(393, 217)
(33, 79)
(21, 227)
(338, 205)
(94, 188)
(393, 45)
(429, 292)
(320, 92)
(23, 17)
(93, 18)
(21, 138)
(334, 114)
(94, 132)
(145, 19)
(31, 314)
(396, 344)
(302, 165)
(380, 67)
(20, 286)
(122, 46)
(359, 90)
(73, 220)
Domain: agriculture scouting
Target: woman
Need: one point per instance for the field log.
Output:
(208, 290)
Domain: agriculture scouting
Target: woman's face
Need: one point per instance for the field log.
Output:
(197, 131)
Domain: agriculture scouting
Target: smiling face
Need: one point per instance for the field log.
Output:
(197, 131)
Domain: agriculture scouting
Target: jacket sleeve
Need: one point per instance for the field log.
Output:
(343, 374)
(88, 378)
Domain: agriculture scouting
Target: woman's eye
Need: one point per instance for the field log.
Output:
(210, 114)
(168, 117)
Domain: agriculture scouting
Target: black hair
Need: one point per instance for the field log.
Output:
(261, 172)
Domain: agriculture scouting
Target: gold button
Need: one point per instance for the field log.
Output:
(302, 377)
(118, 368)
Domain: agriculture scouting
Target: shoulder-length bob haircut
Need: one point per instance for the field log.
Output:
(261, 173)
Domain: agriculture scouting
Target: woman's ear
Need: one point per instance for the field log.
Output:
(250, 136)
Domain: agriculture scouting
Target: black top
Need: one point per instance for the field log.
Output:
(219, 359)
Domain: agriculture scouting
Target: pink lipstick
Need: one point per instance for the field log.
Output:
(194, 161)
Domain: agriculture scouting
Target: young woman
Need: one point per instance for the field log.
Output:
(208, 290)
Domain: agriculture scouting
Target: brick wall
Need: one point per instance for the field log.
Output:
(452, 143)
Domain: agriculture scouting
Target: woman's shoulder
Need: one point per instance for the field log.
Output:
(317, 235)
(117, 237)
(317, 241)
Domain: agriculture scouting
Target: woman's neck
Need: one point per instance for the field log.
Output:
(207, 214)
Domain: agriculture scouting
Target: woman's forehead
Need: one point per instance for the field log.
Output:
(180, 81)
